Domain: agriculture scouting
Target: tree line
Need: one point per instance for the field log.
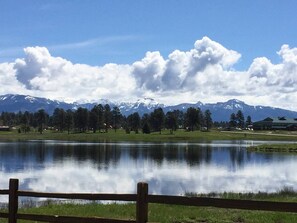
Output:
(236, 121)
(102, 118)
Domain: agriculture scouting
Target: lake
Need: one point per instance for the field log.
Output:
(169, 168)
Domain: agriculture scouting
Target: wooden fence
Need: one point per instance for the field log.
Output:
(142, 199)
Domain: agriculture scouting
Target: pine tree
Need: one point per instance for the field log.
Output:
(157, 118)
(69, 120)
(107, 117)
(116, 117)
(41, 118)
(240, 119)
(171, 121)
(207, 119)
(248, 121)
(193, 118)
(232, 122)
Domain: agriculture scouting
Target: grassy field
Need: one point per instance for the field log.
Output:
(271, 148)
(120, 135)
(178, 214)
(168, 213)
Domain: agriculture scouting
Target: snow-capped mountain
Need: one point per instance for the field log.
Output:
(221, 111)
(142, 106)
(16, 103)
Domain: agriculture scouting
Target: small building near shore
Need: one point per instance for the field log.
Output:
(278, 123)
(4, 128)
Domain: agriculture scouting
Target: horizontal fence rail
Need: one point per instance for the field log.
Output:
(142, 199)
(80, 196)
(69, 219)
(4, 192)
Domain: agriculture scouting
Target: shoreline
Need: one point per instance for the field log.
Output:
(165, 136)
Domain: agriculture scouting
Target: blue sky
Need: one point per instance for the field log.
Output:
(99, 32)
(96, 33)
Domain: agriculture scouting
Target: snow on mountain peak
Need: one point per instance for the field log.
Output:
(234, 103)
(30, 98)
(146, 101)
(3, 98)
(7, 97)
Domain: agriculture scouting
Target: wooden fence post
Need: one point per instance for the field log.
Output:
(141, 203)
(13, 200)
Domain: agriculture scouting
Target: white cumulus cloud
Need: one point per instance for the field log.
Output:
(55, 77)
(275, 84)
(8, 81)
(204, 73)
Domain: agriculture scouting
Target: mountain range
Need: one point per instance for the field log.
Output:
(221, 111)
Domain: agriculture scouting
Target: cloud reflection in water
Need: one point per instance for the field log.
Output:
(168, 170)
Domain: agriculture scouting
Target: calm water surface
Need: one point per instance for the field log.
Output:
(169, 168)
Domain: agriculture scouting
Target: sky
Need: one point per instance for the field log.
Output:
(171, 50)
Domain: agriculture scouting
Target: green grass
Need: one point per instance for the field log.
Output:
(120, 135)
(176, 213)
(163, 213)
(286, 194)
(271, 148)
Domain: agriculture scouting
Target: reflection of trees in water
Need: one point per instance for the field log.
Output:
(267, 156)
(102, 156)
(156, 153)
(248, 155)
(38, 154)
(195, 155)
(172, 153)
(134, 152)
(152, 152)
(208, 154)
(18, 156)
(237, 156)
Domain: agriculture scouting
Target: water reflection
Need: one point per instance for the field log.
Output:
(172, 168)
